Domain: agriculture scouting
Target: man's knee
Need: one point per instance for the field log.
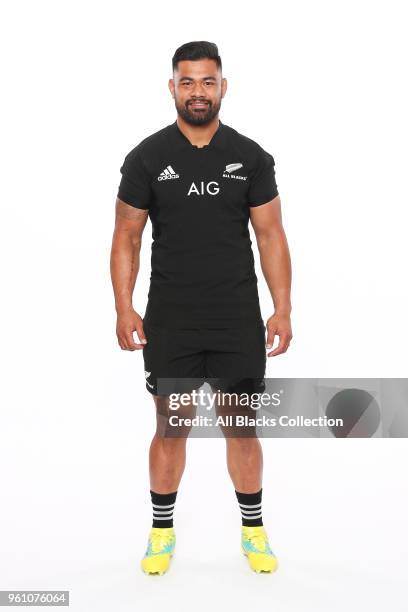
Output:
(170, 421)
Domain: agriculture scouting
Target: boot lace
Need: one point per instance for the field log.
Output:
(258, 540)
(159, 541)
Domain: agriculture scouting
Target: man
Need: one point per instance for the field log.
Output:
(200, 181)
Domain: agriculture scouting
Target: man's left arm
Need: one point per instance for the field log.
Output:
(276, 268)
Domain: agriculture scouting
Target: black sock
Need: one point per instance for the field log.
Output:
(163, 506)
(251, 508)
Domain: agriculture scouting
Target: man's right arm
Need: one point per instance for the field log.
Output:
(126, 243)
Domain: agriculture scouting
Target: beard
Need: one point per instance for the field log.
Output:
(198, 116)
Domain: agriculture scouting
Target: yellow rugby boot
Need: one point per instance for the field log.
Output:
(160, 549)
(255, 545)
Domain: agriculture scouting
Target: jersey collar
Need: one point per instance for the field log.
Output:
(180, 141)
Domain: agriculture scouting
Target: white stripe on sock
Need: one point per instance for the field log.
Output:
(250, 505)
(162, 507)
(249, 518)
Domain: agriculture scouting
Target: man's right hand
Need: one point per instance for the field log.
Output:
(130, 321)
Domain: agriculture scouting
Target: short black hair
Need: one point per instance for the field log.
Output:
(198, 49)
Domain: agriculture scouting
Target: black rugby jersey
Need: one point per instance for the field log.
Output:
(202, 264)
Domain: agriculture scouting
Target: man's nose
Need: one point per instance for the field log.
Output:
(198, 90)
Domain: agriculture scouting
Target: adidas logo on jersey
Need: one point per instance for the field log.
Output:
(168, 173)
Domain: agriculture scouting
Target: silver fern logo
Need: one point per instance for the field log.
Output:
(232, 167)
(147, 374)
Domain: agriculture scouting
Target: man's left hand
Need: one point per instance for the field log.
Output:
(278, 325)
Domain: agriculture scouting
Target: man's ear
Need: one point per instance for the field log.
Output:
(224, 86)
(171, 86)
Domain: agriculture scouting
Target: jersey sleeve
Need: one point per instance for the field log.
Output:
(263, 187)
(135, 188)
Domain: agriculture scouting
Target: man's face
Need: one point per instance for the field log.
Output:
(197, 88)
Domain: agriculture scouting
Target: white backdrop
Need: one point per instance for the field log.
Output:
(320, 86)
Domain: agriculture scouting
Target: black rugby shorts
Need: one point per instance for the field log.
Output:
(232, 360)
